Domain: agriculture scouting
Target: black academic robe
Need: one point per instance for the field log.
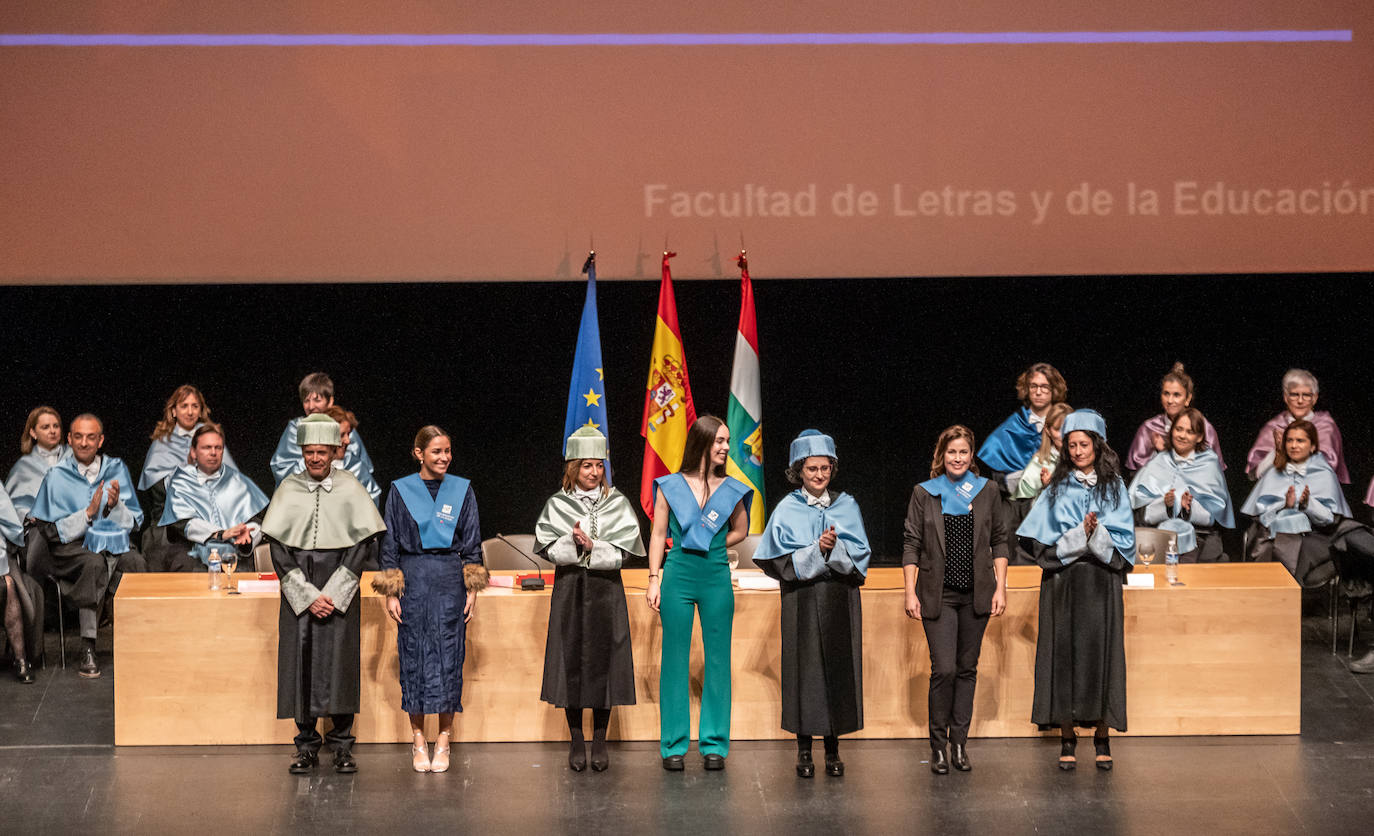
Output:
(318, 659)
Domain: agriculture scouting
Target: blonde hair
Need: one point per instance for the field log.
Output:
(163, 430)
(26, 440)
(1053, 415)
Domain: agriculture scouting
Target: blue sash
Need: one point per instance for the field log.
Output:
(699, 525)
(956, 498)
(1009, 447)
(436, 516)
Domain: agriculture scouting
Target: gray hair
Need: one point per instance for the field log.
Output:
(1297, 377)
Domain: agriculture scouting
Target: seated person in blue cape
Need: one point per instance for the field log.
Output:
(1009, 448)
(317, 396)
(42, 447)
(1183, 490)
(84, 513)
(21, 599)
(210, 506)
(1301, 516)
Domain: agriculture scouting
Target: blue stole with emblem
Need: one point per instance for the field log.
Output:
(65, 491)
(699, 525)
(436, 516)
(1009, 448)
(956, 498)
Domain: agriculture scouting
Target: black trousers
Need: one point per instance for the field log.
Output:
(955, 639)
(340, 738)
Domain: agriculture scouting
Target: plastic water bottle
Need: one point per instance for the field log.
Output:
(1171, 562)
(214, 568)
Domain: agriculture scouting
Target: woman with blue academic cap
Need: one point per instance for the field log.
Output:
(1182, 490)
(704, 511)
(431, 573)
(815, 546)
(1081, 533)
(586, 530)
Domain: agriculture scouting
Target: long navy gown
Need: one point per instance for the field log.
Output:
(431, 638)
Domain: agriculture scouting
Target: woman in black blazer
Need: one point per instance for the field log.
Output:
(954, 564)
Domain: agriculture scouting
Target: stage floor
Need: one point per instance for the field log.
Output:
(59, 773)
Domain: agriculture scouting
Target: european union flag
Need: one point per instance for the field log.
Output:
(587, 389)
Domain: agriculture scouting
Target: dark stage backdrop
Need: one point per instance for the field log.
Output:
(882, 364)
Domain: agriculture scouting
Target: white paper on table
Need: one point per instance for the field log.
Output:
(271, 587)
(1144, 580)
(754, 580)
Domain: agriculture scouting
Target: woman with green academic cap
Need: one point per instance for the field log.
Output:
(704, 512)
(586, 529)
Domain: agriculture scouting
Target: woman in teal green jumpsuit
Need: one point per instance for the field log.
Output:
(703, 511)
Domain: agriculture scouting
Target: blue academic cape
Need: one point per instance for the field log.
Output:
(1008, 448)
(228, 499)
(956, 497)
(1267, 499)
(1049, 520)
(165, 455)
(794, 527)
(287, 459)
(65, 491)
(699, 525)
(1200, 475)
(25, 477)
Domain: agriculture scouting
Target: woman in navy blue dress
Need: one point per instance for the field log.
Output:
(431, 573)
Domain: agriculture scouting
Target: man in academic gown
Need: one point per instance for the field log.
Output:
(322, 527)
(210, 505)
(84, 513)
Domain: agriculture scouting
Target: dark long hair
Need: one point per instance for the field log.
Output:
(1106, 464)
(695, 452)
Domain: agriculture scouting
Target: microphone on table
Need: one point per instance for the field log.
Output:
(527, 584)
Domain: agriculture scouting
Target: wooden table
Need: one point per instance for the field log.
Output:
(1219, 655)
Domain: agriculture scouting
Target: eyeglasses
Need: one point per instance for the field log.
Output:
(1300, 396)
(1038, 387)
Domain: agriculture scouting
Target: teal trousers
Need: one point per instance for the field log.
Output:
(695, 582)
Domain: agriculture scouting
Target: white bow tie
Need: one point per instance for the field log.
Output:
(1296, 469)
(1089, 479)
(327, 483)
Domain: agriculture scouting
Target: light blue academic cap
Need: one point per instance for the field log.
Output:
(811, 443)
(1085, 419)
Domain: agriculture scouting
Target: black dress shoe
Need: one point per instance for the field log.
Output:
(939, 763)
(577, 755)
(601, 758)
(344, 763)
(88, 668)
(23, 671)
(303, 763)
(1364, 664)
(806, 768)
(674, 763)
(714, 762)
(958, 756)
(834, 767)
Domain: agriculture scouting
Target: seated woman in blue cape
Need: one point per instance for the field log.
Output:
(1182, 490)
(21, 598)
(1081, 533)
(40, 447)
(210, 506)
(587, 530)
(816, 547)
(1301, 516)
(85, 512)
(431, 573)
(1009, 448)
(317, 396)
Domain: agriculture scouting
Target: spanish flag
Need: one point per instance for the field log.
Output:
(744, 415)
(668, 409)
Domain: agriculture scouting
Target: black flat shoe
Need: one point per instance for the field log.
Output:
(834, 767)
(1066, 749)
(344, 763)
(601, 759)
(958, 756)
(1103, 747)
(806, 768)
(577, 756)
(303, 763)
(23, 671)
(674, 763)
(939, 763)
(89, 668)
(714, 762)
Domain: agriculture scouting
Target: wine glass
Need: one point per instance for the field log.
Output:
(228, 563)
(1147, 553)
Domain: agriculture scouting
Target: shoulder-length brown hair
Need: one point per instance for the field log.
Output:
(570, 470)
(937, 462)
(1281, 452)
(163, 430)
(1196, 423)
(26, 440)
(695, 452)
(1059, 390)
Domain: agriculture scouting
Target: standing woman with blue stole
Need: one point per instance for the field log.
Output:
(41, 447)
(1007, 450)
(704, 511)
(431, 573)
(586, 530)
(954, 569)
(816, 547)
(1182, 490)
(1082, 535)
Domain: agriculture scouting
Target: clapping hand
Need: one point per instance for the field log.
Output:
(96, 498)
(1090, 523)
(1291, 498)
(580, 537)
(827, 540)
(1187, 502)
(112, 495)
(1158, 441)
(1305, 498)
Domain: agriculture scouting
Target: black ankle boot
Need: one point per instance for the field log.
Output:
(806, 768)
(939, 762)
(577, 754)
(958, 756)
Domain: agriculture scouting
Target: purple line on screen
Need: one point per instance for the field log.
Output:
(686, 38)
